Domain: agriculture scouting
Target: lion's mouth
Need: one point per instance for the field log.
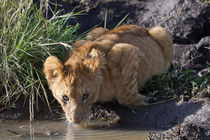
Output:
(101, 117)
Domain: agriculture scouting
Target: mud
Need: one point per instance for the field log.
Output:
(181, 132)
(187, 20)
(21, 112)
(194, 127)
(192, 56)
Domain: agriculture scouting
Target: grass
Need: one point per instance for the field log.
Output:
(173, 84)
(26, 40)
(118, 24)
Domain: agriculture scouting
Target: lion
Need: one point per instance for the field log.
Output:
(113, 66)
(91, 36)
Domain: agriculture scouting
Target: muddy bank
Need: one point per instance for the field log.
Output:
(21, 111)
(194, 126)
(180, 119)
(192, 56)
(182, 132)
(187, 20)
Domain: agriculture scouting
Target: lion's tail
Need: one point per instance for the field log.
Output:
(164, 39)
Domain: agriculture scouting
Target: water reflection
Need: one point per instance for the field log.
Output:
(54, 130)
(77, 133)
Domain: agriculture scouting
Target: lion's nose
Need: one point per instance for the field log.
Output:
(77, 118)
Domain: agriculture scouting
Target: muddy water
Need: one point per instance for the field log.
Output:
(53, 130)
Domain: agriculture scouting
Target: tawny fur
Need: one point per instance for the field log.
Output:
(115, 65)
(91, 36)
(95, 33)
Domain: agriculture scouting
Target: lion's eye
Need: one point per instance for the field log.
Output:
(65, 98)
(85, 97)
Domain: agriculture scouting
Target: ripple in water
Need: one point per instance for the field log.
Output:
(53, 130)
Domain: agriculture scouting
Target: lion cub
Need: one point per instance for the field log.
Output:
(115, 65)
(91, 36)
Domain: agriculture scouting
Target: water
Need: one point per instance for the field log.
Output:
(54, 130)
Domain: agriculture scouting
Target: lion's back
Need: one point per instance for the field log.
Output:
(154, 51)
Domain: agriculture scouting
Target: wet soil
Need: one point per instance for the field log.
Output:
(182, 132)
(187, 20)
(194, 127)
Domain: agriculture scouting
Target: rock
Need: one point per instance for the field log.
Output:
(187, 20)
(204, 47)
(192, 56)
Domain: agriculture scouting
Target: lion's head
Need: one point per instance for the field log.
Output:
(75, 84)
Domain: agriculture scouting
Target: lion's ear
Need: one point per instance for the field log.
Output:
(94, 61)
(52, 69)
